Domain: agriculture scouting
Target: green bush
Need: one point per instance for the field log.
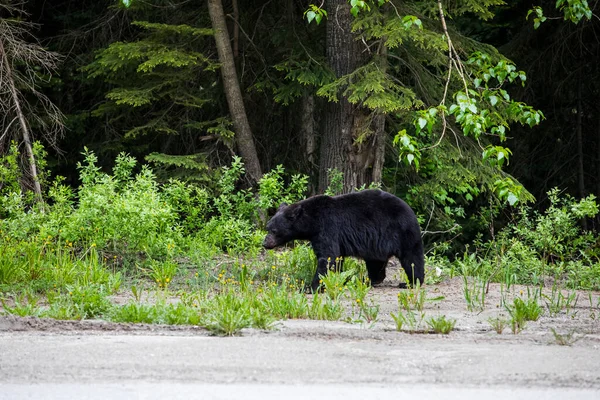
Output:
(232, 235)
(539, 245)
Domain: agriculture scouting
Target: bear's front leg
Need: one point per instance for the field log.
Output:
(322, 268)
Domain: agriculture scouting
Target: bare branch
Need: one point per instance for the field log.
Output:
(24, 64)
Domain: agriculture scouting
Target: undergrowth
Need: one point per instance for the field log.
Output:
(192, 254)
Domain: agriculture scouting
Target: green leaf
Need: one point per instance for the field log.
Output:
(512, 199)
(310, 15)
(422, 122)
(493, 100)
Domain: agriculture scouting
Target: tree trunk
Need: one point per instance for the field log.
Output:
(379, 148)
(579, 129)
(307, 128)
(243, 133)
(23, 124)
(343, 122)
(580, 161)
(236, 30)
(379, 128)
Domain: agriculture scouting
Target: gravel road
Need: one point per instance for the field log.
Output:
(302, 358)
(48, 359)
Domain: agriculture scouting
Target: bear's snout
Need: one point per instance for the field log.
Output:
(269, 242)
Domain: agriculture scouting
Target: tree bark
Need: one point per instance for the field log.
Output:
(307, 127)
(379, 128)
(360, 163)
(580, 161)
(579, 129)
(37, 188)
(236, 30)
(233, 93)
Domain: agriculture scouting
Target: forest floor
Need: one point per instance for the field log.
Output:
(61, 359)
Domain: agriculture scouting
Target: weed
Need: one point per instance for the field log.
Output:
(324, 308)
(192, 299)
(298, 263)
(11, 270)
(357, 290)
(334, 282)
(229, 313)
(410, 303)
(260, 319)
(566, 339)
(412, 298)
(133, 312)
(398, 319)
(557, 301)
(474, 282)
(517, 322)
(522, 311)
(162, 272)
(281, 303)
(498, 324)
(137, 293)
(177, 314)
(410, 319)
(63, 310)
(90, 301)
(441, 324)
(367, 312)
(24, 306)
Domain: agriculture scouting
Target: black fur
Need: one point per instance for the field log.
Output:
(370, 224)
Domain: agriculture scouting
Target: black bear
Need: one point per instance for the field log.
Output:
(371, 224)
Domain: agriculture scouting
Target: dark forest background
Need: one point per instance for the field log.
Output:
(145, 78)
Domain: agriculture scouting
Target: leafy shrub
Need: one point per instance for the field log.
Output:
(119, 211)
(542, 244)
(232, 202)
(272, 190)
(555, 234)
(232, 235)
(190, 202)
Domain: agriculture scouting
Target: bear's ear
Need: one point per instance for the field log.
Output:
(282, 206)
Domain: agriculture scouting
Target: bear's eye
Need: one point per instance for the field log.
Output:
(274, 231)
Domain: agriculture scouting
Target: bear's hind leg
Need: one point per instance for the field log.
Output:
(376, 271)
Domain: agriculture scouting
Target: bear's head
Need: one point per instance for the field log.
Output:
(286, 225)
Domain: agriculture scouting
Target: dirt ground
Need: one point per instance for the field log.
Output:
(473, 361)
